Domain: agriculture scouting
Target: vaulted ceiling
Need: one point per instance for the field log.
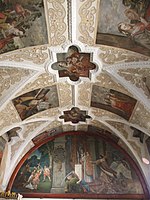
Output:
(41, 38)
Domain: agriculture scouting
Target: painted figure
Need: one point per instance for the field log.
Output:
(71, 183)
(17, 20)
(36, 101)
(102, 163)
(87, 167)
(74, 65)
(46, 173)
(138, 28)
(104, 175)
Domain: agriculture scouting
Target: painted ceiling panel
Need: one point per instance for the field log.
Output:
(19, 22)
(124, 24)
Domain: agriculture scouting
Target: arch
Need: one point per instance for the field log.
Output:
(97, 137)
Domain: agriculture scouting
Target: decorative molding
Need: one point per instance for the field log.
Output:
(84, 94)
(69, 15)
(14, 148)
(100, 125)
(136, 148)
(57, 22)
(43, 80)
(120, 127)
(68, 127)
(111, 55)
(45, 115)
(141, 117)
(87, 13)
(8, 116)
(37, 55)
(65, 94)
(51, 126)
(10, 76)
(30, 127)
(136, 77)
(82, 127)
(102, 113)
(106, 80)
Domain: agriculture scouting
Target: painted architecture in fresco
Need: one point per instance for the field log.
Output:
(36, 101)
(75, 115)
(126, 24)
(73, 64)
(112, 101)
(19, 20)
(77, 164)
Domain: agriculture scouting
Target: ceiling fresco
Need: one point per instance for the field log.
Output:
(19, 21)
(75, 83)
(112, 101)
(36, 101)
(74, 64)
(125, 24)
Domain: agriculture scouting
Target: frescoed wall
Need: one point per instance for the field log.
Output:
(19, 21)
(77, 164)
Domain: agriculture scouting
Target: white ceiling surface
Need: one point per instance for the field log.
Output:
(33, 71)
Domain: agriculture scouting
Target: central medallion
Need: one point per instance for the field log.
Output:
(73, 64)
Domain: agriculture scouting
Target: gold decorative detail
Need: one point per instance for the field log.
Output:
(64, 93)
(37, 55)
(112, 55)
(41, 81)
(56, 18)
(136, 77)
(104, 80)
(8, 195)
(87, 13)
(11, 76)
(8, 116)
(141, 117)
(84, 94)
